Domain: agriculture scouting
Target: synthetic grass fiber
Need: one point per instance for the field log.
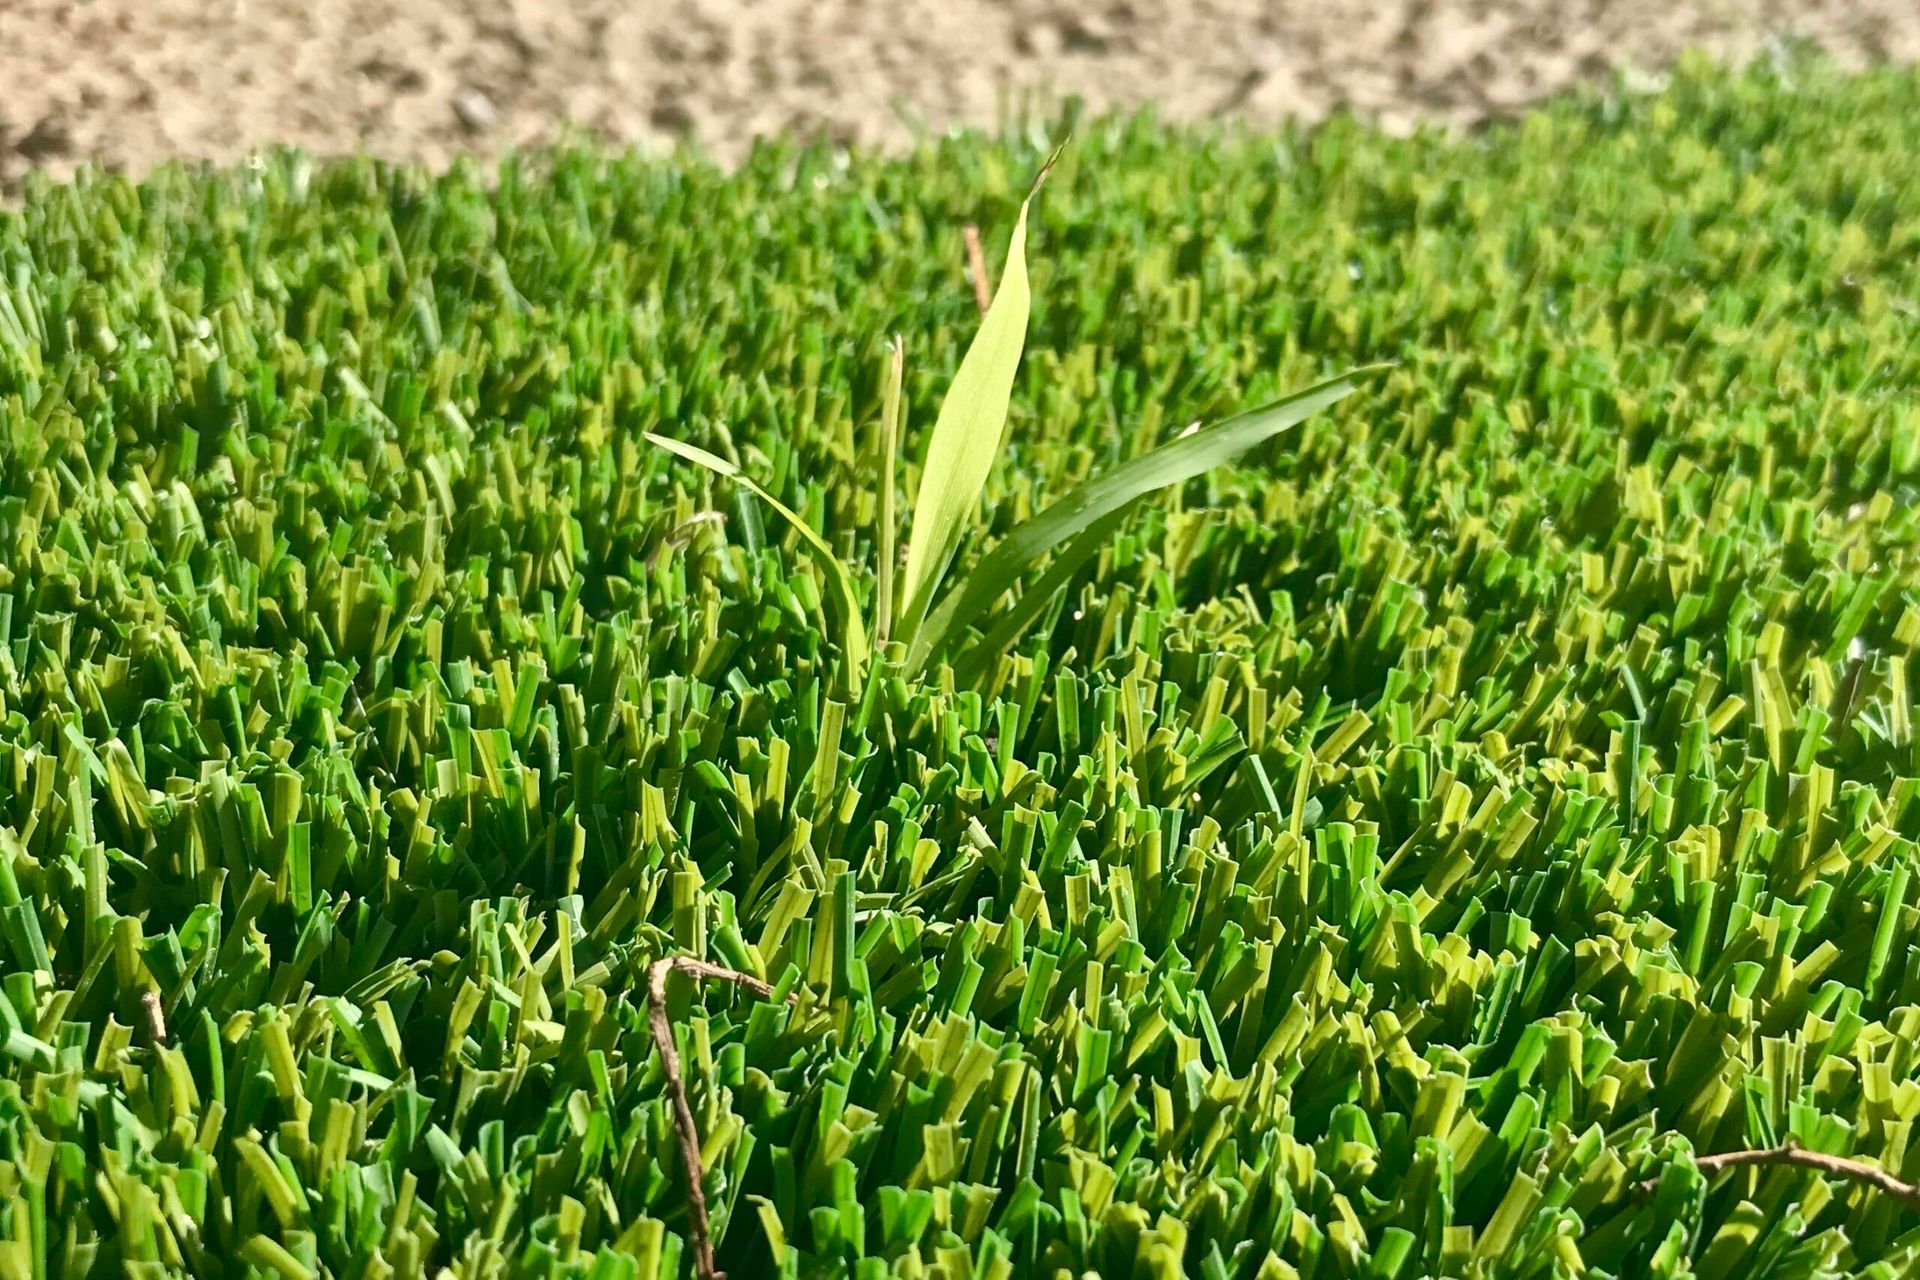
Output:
(1381, 857)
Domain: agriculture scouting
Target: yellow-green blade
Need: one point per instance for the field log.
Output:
(889, 458)
(854, 641)
(967, 434)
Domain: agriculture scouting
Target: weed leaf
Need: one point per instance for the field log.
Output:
(1000, 570)
(853, 643)
(966, 435)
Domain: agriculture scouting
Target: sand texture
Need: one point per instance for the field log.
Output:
(131, 81)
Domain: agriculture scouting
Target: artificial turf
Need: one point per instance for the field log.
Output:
(1386, 856)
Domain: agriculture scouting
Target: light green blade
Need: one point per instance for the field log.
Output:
(854, 642)
(966, 435)
(1001, 569)
(889, 459)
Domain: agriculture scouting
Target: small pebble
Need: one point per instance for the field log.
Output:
(475, 109)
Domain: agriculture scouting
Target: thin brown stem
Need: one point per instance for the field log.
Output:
(1858, 1170)
(977, 267)
(689, 1134)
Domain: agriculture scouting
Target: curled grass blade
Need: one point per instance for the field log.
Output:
(854, 646)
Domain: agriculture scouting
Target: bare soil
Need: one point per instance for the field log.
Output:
(129, 82)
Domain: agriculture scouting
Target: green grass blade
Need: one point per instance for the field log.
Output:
(854, 642)
(967, 434)
(1000, 570)
(1007, 626)
(889, 460)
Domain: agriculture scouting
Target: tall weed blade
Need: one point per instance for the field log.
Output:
(966, 436)
(889, 460)
(853, 643)
(1000, 570)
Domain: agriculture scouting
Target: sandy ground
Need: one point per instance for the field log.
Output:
(131, 81)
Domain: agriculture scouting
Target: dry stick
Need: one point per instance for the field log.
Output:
(977, 267)
(682, 1112)
(1860, 1171)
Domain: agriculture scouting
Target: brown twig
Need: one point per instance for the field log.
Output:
(683, 1112)
(977, 267)
(156, 1021)
(1793, 1154)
